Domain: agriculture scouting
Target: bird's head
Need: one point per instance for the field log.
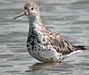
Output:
(31, 9)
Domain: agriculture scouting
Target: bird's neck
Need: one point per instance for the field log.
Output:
(35, 23)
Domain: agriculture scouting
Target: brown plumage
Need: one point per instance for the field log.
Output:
(60, 44)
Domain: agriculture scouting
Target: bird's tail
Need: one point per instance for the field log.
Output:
(80, 47)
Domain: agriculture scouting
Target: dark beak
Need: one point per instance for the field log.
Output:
(21, 14)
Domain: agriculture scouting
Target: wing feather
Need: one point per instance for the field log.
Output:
(57, 41)
(60, 44)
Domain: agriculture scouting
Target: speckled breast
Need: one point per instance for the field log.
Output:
(39, 51)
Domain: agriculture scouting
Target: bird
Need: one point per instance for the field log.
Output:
(42, 44)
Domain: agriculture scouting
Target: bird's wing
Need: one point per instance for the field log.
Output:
(60, 44)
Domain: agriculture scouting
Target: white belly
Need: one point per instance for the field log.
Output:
(41, 53)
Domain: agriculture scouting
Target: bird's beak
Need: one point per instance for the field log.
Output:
(21, 14)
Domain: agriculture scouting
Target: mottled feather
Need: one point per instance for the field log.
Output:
(42, 44)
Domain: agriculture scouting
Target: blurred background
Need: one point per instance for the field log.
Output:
(68, 17)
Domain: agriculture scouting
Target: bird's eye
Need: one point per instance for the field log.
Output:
(31, 8)
(25, 7)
